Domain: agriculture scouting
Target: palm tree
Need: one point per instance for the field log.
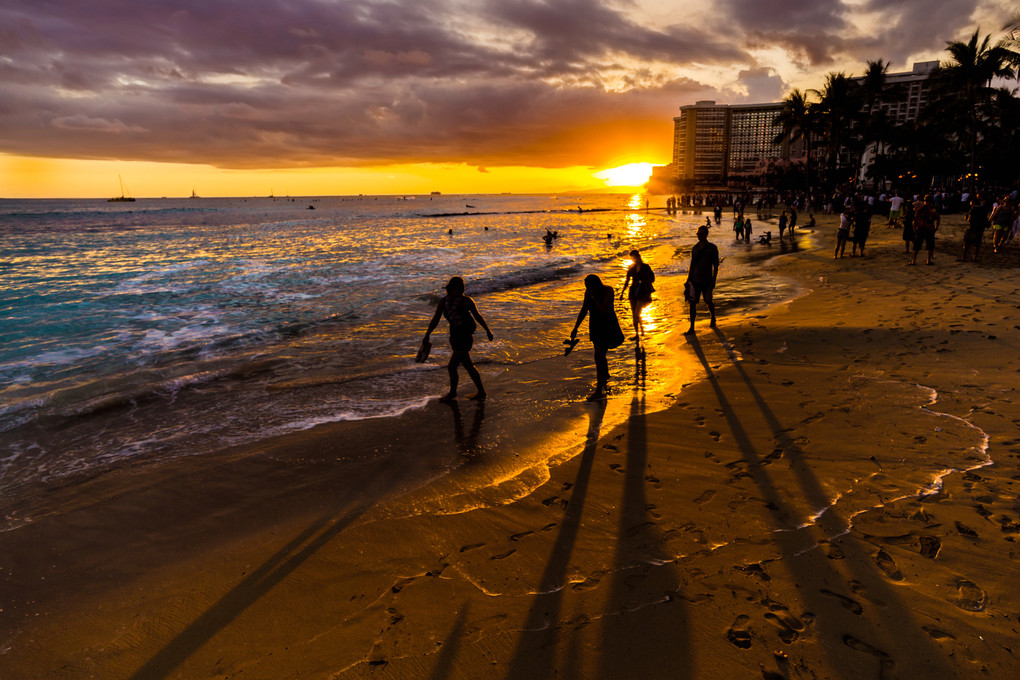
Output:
(838, 109)
(797, 123)
(876, 128)
(967, 77)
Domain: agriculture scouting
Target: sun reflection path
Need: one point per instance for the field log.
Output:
(636, 224)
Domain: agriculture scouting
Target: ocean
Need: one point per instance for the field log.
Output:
(137, 333)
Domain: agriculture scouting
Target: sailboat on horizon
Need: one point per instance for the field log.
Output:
(194, 195)
(123, 198)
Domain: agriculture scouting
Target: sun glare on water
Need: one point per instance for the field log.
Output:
(630, 175)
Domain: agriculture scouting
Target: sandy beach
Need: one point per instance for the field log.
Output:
(832, 494)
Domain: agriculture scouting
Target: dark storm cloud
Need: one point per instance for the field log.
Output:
(259, 83)
(910, 26)
(818, 32)
(268, 83)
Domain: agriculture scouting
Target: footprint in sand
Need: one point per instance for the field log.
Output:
(930, 546)
(966, 530)
(789, 625)
(755, 570)
(590, 582)
(971, 597)
(888, 566)
(473, 546)
(739, 634)
(937, 633)
(885, 662)
(705, 496)
(848, 603)
(503, 556)
(832, 551)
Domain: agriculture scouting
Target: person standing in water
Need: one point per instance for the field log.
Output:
(640, 292)
(461, 312)
(603, 329)
(702, 275)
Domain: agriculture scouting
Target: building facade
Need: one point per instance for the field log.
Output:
(716, 144)
(719, 145)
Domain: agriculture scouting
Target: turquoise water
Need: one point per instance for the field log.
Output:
(139, 332)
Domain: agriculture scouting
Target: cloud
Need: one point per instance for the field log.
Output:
(762, 85)
(292, 83)
(84, 123)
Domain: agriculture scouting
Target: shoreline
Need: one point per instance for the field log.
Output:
(779, 517)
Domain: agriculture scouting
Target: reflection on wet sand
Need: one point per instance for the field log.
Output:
(467, 442)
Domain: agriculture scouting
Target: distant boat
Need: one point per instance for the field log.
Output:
(194, 195)
(436, 193)
(123, 198)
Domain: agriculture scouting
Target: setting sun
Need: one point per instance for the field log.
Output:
(630, 175)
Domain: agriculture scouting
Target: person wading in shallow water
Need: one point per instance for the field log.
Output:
(701, 276)
(603, 329)
(461, 312)
(640, 292)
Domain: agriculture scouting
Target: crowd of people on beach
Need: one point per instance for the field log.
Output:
(919, 219)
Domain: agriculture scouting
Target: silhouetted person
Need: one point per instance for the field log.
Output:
(461, 312)
(926, 223)
(978, 222)
(1002, 224)
(640, 292)
(908, 226)
(702, 275)
(846, 220)
(603, 329)
(862, 227)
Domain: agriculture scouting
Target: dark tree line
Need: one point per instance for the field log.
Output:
(968, 133)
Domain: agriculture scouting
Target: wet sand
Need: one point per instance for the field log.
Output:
(833, 495)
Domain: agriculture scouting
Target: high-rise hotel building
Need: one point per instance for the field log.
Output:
(716, 145)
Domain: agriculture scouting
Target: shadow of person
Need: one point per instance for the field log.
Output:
(467, 442)
(644, 627)
(447, 656)
(795, 540)
(539, 641)
(250, 590)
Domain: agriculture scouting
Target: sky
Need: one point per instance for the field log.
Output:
(330, 97)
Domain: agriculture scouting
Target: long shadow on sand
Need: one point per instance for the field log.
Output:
(643, 636)
(807, 565)
(445, 664)
(535, 654)
(245, 594)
